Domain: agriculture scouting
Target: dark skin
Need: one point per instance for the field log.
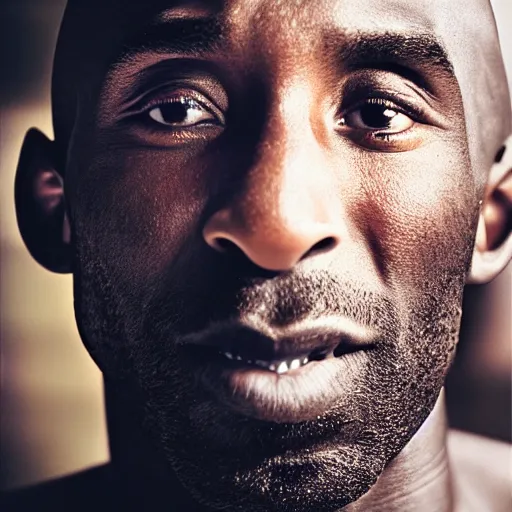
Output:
(273, 182)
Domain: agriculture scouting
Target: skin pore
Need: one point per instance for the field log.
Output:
(232, 171)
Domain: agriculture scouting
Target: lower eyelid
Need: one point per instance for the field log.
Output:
(392, 143)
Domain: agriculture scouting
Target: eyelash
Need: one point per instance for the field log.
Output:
(381, 139)
(177, 96)
(416, 113)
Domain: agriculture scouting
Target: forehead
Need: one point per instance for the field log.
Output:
(271, 28)
(367, 13)
(278, 33)
(283, 19)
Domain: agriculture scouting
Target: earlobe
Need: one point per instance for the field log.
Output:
(40, 205)
(493, 245)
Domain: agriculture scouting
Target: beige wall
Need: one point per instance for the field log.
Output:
(52, 419)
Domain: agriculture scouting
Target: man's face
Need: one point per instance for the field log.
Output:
(265, 182)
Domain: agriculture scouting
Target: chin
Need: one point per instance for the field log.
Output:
(230, 462)
(324, 478)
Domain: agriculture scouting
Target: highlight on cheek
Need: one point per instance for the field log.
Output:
(427, 198)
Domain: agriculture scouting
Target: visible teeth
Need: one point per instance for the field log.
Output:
(295, 364)
(282, 368)
(279, 366)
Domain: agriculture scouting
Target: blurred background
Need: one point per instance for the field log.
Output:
(52, 420)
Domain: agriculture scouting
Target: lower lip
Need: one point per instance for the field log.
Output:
(298, 395)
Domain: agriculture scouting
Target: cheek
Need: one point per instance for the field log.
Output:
(423, 215)
(135, 211)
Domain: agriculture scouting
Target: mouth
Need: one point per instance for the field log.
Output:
(290, 374)
(285, 365)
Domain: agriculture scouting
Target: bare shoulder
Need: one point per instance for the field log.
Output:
(482, 472)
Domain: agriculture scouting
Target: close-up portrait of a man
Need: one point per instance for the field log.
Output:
(270, 210)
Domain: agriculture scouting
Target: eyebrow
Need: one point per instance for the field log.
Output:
(185, 36)
(414, 56)
(418, 57)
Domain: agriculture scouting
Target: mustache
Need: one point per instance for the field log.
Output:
(292, 298)
(190, 303)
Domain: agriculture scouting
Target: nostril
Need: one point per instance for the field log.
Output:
(225, 245)
(239, 260)
(326, 243)
(323, 245)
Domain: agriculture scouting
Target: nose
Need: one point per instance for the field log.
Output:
(277, 246)
(287, 211)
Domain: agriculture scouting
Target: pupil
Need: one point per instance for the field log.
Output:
(175, 112)
(377, 116)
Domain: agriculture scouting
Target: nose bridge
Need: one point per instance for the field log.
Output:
(288, 177)
(285, 209)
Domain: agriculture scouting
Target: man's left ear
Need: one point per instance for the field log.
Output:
(493, 246)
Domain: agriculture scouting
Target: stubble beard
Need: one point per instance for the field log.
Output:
(263, 466)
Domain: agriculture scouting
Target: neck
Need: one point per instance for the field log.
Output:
(417, 479)
(139, 470)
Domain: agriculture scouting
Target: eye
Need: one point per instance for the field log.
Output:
(378, 115)
(182, 112)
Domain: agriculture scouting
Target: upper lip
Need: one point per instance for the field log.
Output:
(251, 339)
